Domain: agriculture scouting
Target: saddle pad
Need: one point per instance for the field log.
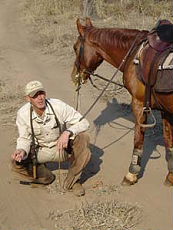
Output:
(167, 64)
(164, 82)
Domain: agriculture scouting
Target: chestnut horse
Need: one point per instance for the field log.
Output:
(112, 44)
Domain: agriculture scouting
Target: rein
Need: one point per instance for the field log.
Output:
(111, 79)
(103, 78)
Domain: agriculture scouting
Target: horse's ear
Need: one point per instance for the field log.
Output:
(88, 22)
(80, 27)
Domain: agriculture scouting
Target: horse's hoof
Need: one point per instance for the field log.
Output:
(127, 182)
(169, 179)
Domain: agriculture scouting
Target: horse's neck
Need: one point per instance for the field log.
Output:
(115, 52)
(114, 55)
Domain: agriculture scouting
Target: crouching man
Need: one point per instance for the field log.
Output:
(50, 131)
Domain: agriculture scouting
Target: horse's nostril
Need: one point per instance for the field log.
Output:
(77, 76)
(83, 81)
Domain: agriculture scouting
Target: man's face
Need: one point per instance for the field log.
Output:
(38, 100)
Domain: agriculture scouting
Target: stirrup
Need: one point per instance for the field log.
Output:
(148, 111)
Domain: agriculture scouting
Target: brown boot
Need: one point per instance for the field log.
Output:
(44, 175)
(169, 179)
(78, 189)
(25, 169)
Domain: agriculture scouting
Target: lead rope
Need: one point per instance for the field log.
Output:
(33, 147)
(78, 98)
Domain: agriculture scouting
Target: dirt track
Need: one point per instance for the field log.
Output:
(27, 208)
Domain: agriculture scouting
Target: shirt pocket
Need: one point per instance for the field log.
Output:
(37, 131)
(53, 124)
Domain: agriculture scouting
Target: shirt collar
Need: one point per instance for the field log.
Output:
(45, 118)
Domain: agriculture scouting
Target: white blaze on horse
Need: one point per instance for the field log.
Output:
(142, 68)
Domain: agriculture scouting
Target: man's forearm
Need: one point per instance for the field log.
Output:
(79, 127)
(24, 144)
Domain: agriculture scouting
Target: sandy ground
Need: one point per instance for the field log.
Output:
(27, 208)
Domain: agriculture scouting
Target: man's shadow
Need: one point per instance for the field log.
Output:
(92, 168)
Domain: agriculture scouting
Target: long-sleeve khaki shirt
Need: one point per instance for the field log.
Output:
(45, 128)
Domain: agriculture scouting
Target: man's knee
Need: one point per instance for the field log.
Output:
(82, 139)
(81, 150)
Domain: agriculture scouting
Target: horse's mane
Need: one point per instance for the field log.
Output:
(114, 36)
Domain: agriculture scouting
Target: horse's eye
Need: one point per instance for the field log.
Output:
(74, 47)
(75, 50)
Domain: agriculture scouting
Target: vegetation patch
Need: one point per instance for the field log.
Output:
(53, 21)
(108, 215)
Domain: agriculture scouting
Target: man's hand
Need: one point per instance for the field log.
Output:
(62, 142)
(19, 155)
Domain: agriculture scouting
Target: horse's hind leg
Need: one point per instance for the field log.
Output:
(168, 137)
(135, 165)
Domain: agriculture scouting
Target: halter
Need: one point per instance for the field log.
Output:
(78, 62)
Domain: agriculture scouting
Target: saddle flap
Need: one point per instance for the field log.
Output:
(164, 82)
(168, 62)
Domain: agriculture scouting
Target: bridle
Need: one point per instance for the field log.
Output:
(79, 60)
(89, 71)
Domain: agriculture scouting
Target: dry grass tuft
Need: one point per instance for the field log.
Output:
(53, 21)
(10, 98)
(108, 215)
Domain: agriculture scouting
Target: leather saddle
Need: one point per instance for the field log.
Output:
(154, 53)
(161, 36)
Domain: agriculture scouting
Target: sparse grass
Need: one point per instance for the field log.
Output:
(107, 215)
(10, 98)
(53, 21)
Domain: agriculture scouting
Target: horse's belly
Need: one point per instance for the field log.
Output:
(135, 87)
(165, 101)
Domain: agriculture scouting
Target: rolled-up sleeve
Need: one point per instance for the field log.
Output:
(72, 119)
(24, 139)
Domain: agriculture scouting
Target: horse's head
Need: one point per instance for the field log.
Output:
(87, 57)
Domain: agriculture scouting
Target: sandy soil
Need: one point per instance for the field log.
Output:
(28, 208)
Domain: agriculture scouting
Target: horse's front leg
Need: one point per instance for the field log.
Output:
(135, 165)
(168, 137)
